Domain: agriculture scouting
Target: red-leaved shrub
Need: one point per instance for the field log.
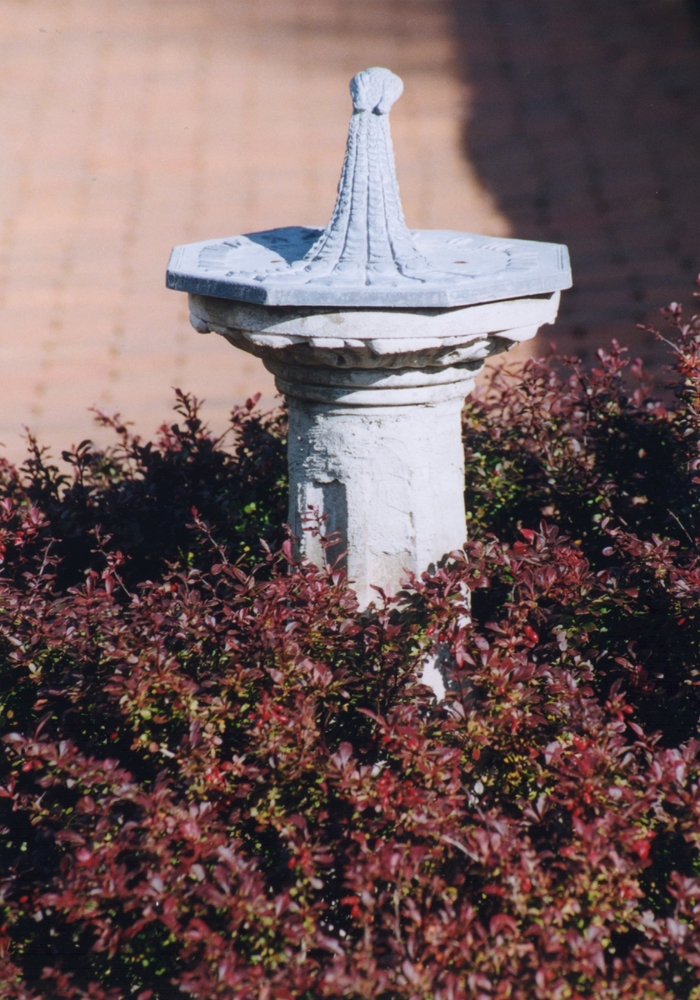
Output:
(220, 780)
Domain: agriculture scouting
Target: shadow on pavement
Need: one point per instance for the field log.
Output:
(584, 126)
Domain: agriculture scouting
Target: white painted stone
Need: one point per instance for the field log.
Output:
(374, 334)
(433, 678)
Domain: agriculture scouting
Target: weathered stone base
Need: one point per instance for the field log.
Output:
(390, 480)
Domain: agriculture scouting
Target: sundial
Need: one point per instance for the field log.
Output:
(374, 333)
(366, 256)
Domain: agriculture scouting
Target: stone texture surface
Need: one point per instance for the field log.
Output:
(448, 269)
(305, 324)
(369, 338)
(390, 479)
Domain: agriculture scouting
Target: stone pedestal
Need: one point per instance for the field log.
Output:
(375, 441)
(375, 334)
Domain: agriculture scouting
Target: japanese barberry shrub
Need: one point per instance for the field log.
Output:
(220, 780)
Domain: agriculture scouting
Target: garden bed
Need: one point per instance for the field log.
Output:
(220, 780)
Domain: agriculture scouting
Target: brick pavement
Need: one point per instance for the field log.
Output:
(584, 124)
(132, 125)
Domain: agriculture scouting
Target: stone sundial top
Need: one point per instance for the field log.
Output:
(366, 256)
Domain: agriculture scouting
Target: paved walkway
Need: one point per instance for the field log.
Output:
(132, 125)
(584, 123)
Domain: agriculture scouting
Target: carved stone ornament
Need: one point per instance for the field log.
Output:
(375, 334)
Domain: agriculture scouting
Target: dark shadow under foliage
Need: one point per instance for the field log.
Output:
(219, 780)
(137, 499)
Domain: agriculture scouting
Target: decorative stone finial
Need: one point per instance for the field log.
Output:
(367, 242)
(375, 90)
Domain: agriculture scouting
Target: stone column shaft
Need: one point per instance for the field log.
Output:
(388, 478)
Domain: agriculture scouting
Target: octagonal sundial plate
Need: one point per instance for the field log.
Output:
(452, 269)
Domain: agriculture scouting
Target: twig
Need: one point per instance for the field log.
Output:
(682, 526)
